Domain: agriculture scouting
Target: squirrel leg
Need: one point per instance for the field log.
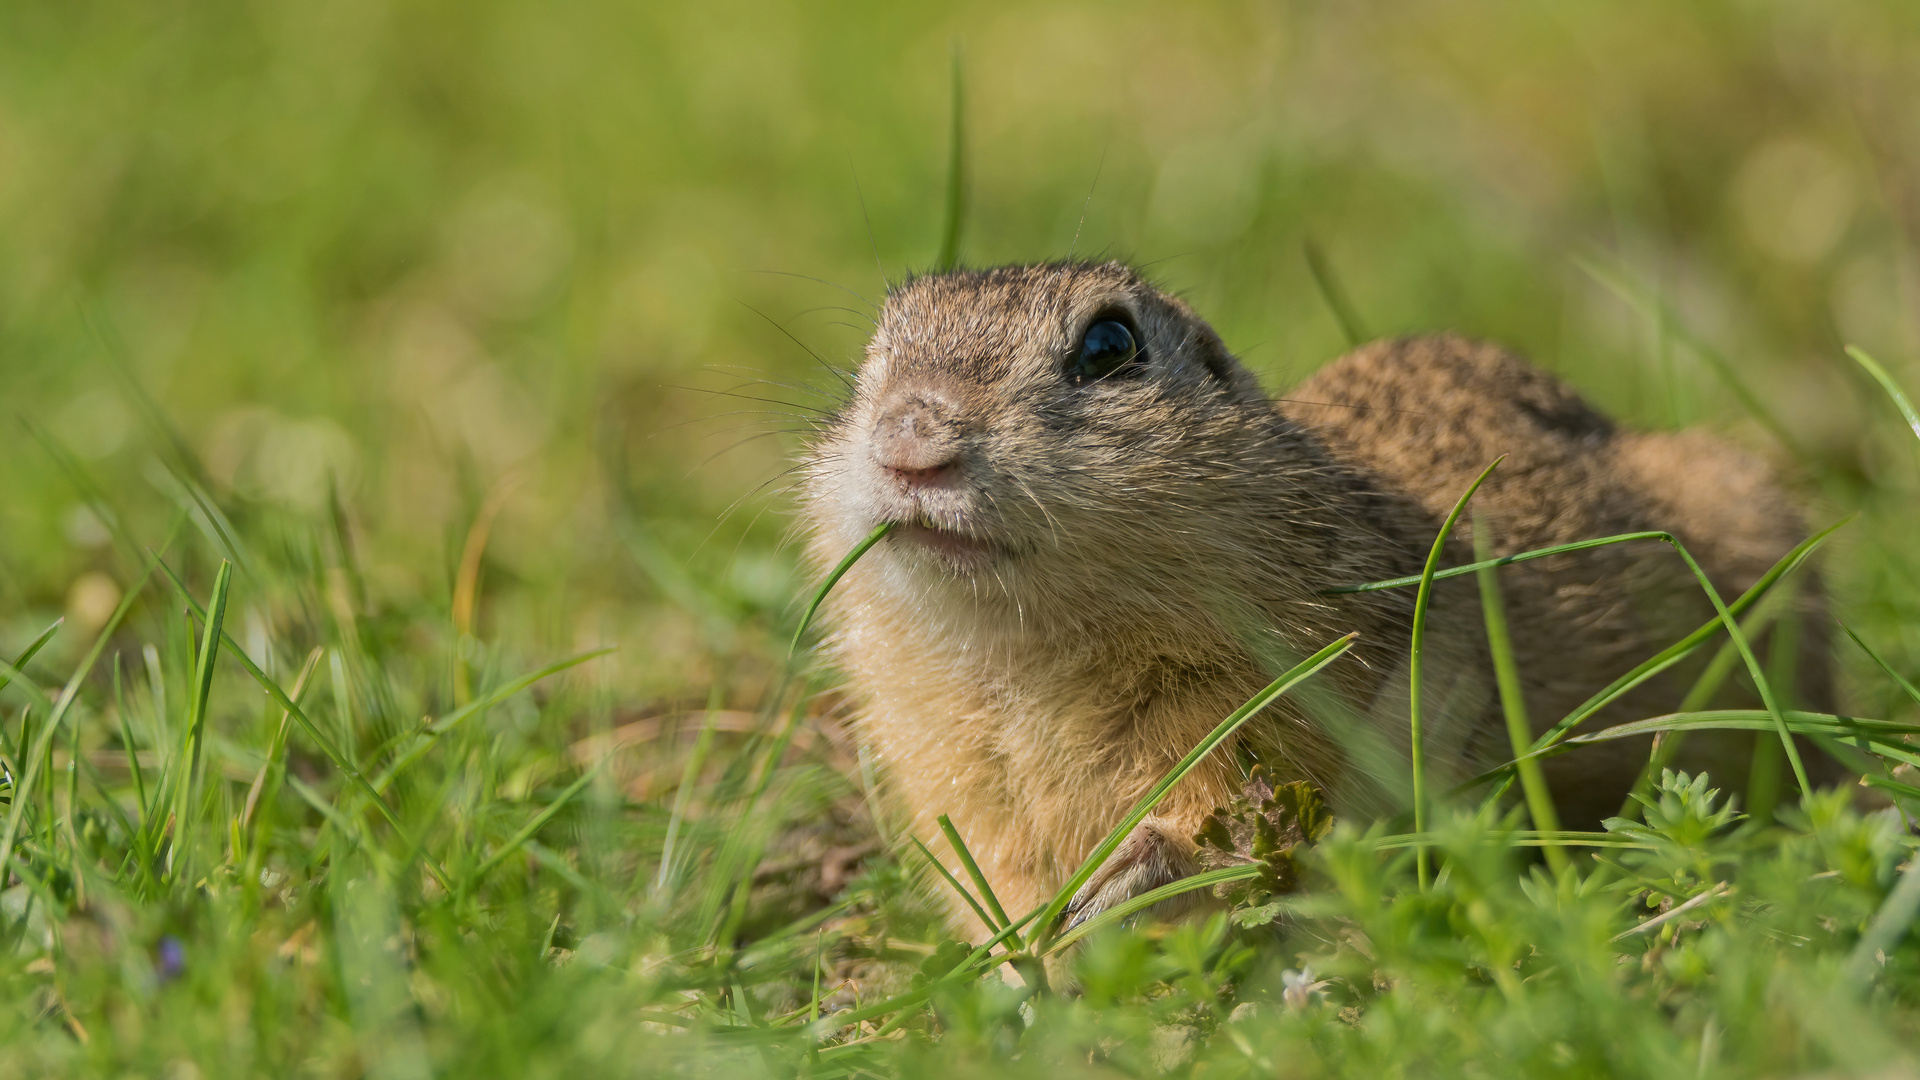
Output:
(1157, 852)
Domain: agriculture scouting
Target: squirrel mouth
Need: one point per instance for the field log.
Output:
(951, 545)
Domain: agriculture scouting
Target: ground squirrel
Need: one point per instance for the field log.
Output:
(1109, 537)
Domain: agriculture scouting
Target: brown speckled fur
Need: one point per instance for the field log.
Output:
(1155, 550)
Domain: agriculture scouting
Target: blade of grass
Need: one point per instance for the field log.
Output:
(429, 733)
(1652, 308)
(683, 798)
(76, 863)
(20, 662)
(1299, 673)
(1045, 914)
(1678, 651)
(1137, 904)
(738, 837)
(278, 746)
(820, 595)
(979, 912)
(1668, 656)
(1889, 925)
(127, 744)
(202, 691)
(1746, 719)
(819, 954)
(1506, 673)
(1415, 655)
(115, 351)
(979, 879)
(1712, 677)
(1898, 679)
(9, 754)
(1886, 383)
(1884, 738)
(265, 790)
(340, 761)
(192, 497)
(1336, 297)
(1894, 786)
(23, 785)
(343, 826)
(90, 493)
(527, 831)
(966, 969)
(1504, 560)
(466, 581)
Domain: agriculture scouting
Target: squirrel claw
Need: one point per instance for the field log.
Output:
(1148, 858)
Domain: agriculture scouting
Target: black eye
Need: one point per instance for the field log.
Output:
(1108, 347)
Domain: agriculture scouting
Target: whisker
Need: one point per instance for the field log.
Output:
(816, 280)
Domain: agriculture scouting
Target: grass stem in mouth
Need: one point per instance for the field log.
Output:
(839, 571)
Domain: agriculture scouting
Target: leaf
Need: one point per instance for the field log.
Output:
(1267, 827)
(947, 956)
(1258, 916)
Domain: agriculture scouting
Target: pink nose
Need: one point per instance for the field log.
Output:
(915, 441)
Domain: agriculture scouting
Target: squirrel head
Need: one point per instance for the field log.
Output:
(1040, 433)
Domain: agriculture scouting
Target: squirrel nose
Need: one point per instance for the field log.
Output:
(916, 441)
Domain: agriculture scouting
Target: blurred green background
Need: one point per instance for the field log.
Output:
(372, 259)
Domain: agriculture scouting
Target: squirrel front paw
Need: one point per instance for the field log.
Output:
(1155, 853)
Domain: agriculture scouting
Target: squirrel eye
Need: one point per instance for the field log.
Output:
(1107, 347)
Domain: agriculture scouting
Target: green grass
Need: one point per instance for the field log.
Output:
(405, 664)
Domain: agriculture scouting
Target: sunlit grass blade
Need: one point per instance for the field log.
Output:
(966, 894)
(1415, 654)
(1134, 905)
(1299, 673)
(33, 648)
(1886, 383)
(683, 798)
(1513, 705)
(1882, 737)
(202, 691)
(1894, 786)
(1504, 560)
(839, 571)
(1746, 719)
(973, 872)
(257, 812)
